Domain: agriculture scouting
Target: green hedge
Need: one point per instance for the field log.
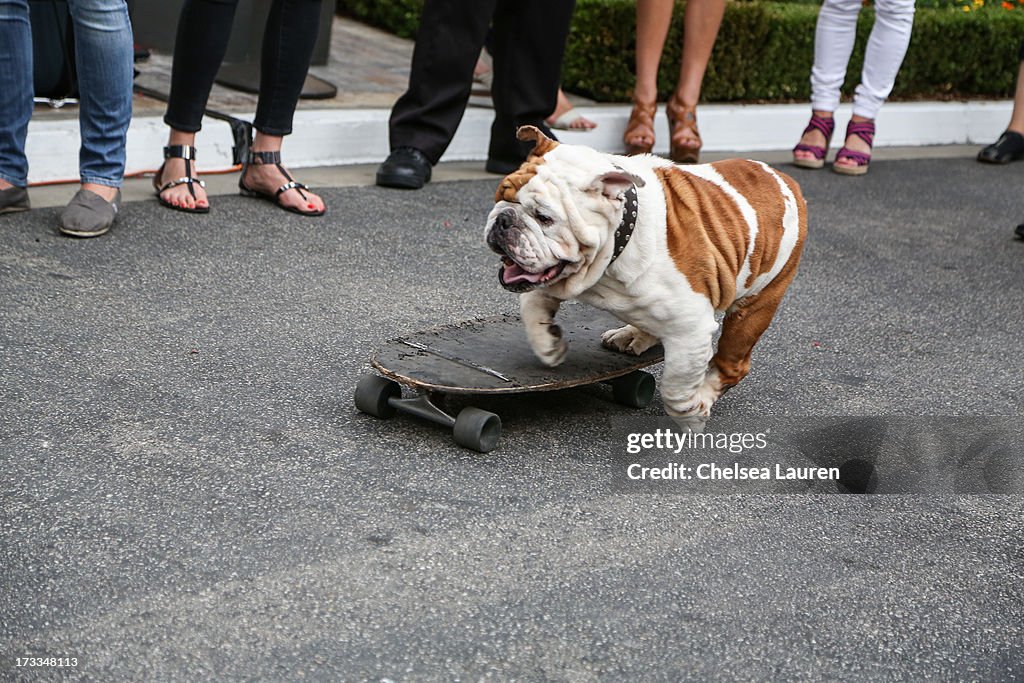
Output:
(765, 49)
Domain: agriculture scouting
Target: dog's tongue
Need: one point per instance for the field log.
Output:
(513, 273)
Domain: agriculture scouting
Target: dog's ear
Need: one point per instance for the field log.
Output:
(542, 144)
(614, 183)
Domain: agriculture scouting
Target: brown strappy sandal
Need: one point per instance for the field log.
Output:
(682, 118)
(257, 158)
(640, 127)
(188, 153)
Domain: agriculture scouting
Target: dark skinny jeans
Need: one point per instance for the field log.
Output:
(203, 32)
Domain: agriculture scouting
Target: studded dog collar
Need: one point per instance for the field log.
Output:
(628, 224)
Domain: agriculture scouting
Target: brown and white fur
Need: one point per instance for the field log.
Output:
(724, 238)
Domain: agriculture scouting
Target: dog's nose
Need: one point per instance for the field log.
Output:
(503, 222)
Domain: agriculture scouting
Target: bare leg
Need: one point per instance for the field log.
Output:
(652, 22)
(700, 24)
(700, 29)
(1017, 118)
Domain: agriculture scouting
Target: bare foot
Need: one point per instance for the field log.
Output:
(179, 195)
(267, 178)
(563, 107)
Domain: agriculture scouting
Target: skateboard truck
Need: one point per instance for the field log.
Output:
(473, 428)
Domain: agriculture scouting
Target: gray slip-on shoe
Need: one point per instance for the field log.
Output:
(88, 214)
(14, 199)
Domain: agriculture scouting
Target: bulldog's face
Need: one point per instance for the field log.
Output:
(554, 219)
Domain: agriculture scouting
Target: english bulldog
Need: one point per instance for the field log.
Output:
(662, 247)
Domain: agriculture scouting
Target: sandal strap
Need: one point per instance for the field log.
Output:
(681, 117)
(865, 130)
(818, 152)
(859, 158)
(179, 152)
(641, 121)
(826, 126)
(291, 185)
(265, 157)
(184, 180)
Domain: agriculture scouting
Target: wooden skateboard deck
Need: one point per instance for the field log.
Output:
(492, 356)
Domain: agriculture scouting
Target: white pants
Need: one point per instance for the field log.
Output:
(833, 43)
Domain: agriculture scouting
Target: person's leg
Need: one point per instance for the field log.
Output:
(16, 86)
(887, 45)
(104, 54)
(527, 71)
(700, 23)
(204, 28)
(288, 41)
(834, 36)
(1017, 117)
(700, 29)
(448, 43)
(652, 23)
(1010, 145)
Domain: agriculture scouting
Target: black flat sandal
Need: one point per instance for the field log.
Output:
(188, 153)
(259, 158)
(1009, 147)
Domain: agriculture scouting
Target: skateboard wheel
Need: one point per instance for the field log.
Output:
(477, 429)
(635, 390)
(372, 394)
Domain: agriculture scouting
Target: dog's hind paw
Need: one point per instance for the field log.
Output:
(628, 339)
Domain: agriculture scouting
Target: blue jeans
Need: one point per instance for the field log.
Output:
(103, 54)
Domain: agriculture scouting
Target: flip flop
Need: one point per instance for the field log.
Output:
(567, 119)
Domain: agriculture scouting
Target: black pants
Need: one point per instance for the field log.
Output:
(529, 42)
(203, 32)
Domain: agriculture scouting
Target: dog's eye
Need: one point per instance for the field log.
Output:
(543, 218)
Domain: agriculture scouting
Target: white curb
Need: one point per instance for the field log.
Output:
(357, 136)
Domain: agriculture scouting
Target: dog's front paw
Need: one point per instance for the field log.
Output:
(550, 346)
(628, 339)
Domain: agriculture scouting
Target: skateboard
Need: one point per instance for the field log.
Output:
(492, 356)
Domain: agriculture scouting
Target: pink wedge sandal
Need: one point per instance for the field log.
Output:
(826, 126)
(865, 130)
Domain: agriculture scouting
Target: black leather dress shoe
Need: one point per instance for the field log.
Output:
(406, 168)
(1009, 147)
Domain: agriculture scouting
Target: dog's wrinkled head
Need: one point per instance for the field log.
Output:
(554, 218)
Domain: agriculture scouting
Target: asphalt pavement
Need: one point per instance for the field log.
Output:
(189, 493)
